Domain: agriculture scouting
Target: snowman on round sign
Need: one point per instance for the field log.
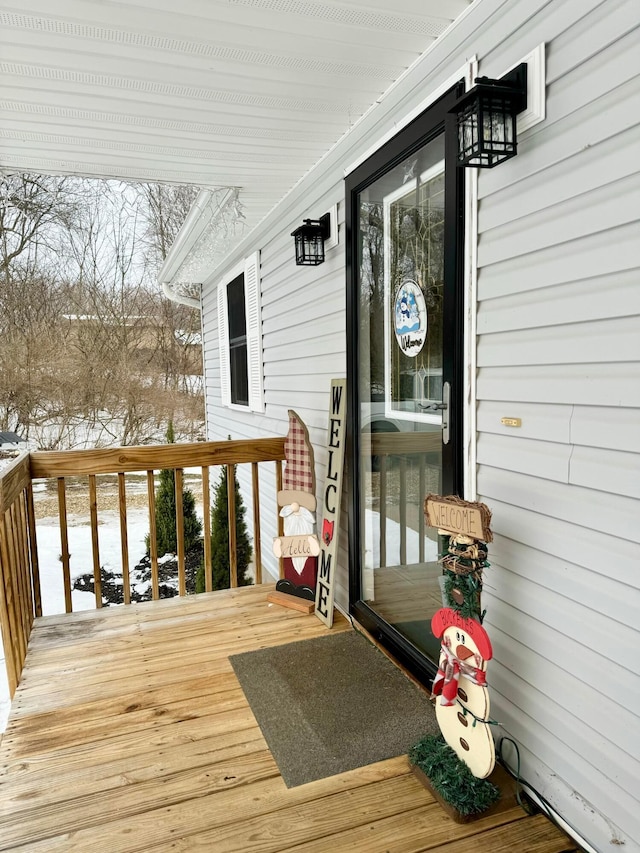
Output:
(462, 709)
(460, 685)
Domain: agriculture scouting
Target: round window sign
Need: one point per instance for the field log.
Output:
(410, 318)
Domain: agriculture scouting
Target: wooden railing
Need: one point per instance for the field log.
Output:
(393, 452)
(20, 588)
(19, 579)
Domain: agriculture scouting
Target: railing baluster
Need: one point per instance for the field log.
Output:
(17, 581)
(95, 549)
(206, 520)
(403, 510)
(280, 519)
(231, 515)
(257, 547)
(33, 552)
(182, 580)
(10, 633)
(23, 564)
(383, 510)
(153, 537)
(124, 538)
(422, 493)
(64, 544)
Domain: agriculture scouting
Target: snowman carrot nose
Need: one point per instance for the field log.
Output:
(463, 652)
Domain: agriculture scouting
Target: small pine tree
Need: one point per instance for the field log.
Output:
(220, 538)
(166, 511)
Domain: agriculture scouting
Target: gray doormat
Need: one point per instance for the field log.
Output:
(332, 704)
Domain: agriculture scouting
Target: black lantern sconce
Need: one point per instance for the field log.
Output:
(309, 239)
(486, 119)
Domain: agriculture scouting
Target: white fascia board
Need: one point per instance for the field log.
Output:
(189, 233)
(197, 221)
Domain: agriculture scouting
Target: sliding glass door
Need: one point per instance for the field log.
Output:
(404, 307)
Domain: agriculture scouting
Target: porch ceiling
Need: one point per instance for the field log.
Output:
(246, 94)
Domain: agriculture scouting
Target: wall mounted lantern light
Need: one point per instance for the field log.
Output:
(309, 239)
(486, 119)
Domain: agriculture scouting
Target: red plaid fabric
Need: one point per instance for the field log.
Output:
(298, 470)
(445, 684)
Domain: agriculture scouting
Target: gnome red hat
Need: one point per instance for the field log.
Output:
(299, 478)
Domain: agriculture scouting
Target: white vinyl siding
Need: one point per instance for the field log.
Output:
(302, 311)
(558, 324)
(559, 346)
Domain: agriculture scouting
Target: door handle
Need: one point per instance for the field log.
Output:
(433, 407)
(446, 400)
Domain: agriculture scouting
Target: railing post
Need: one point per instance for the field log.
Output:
(231, 516)
(33, 552)
(182, 579)
(95, 549)
(206, 519)
(153, 536)
(257, 545)
(124, 538)
(280, 519)
(64, 544)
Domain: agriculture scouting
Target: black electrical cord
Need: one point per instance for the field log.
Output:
(529, 805)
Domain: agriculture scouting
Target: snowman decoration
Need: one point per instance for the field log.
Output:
(462, 709)
(460, 686)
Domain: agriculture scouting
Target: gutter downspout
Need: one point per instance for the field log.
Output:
(176, 297)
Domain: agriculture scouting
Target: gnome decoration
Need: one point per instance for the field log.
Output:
(299, 547)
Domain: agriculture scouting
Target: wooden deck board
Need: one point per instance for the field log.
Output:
(130, 732)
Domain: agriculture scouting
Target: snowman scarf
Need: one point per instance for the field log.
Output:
(445, 684)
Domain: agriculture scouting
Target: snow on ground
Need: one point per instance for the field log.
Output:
(81, 561)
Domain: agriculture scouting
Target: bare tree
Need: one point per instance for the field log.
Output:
(33, 209)
(91, 352)
(167, 207)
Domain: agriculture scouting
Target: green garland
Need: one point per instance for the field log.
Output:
(470, 587)
(451, 777)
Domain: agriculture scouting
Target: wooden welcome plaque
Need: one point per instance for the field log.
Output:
(458, 517)
(325, 586)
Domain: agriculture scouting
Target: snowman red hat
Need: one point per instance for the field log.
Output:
(463, 640)
(448, 618)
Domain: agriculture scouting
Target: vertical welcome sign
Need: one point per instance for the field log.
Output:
(329, 534)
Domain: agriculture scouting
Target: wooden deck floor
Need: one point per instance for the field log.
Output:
(129, 732)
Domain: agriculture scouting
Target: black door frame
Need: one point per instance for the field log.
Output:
(427, 126)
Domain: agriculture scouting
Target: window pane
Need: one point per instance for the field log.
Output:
(235, 302)
(239, 373)
(238, 342)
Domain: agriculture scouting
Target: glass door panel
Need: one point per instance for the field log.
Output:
(400, 356)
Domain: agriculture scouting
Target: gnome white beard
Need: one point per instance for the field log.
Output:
(297, 523)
